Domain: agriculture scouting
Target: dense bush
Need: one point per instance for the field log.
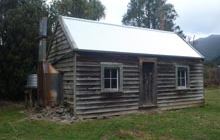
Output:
(19, 26)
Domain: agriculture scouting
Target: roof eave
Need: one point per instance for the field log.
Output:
(129, 53)
(192, 48)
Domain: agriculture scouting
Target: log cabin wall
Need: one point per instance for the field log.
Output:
(61, 57)
(168, 96)
(90, 101)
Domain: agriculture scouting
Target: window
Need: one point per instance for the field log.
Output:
(182, 79)
(111, 77)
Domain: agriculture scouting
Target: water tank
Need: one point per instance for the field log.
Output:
(32, 81)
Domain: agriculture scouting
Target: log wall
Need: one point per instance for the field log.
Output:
(61, 57)
(90, 102)
(168, 96)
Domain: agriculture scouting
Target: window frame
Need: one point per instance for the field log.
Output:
(187, 77)
(119, 68)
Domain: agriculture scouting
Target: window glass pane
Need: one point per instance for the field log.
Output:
(182, 82)
(179, 77)
(182, 73)
(107, 83)
(179, 81)
(182, 76)
(114, 83)
(114, 73)
(179, 73)
(106, 73)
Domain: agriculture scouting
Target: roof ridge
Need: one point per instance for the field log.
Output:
(117, 25)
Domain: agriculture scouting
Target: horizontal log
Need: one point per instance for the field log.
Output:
(66, 60)
(196, 68)
(166, 74)
(130, 70)
(196, 71)
(115, 101)
(60, 47)
(196, 78)
(88, 64)
(131, 83)
(88, 84)
(166, 94)
(131, 79)
(168, 70)
(99, 93)
(183, 90)
(131, 66)
(131, 86)
(108, 110)
(173, 82)
(196, 86)
(176, 93)
(174, 105)
(179, 96)
(198, 64)
(166, 86)
(91, 89)
(89, 71)
(108, 114)
(103, 98)
(166, 78)
(88, 79)
(131, 75)
(59, 53)
(179, 100)
(88, 74)
(110, 106)
(197, 81)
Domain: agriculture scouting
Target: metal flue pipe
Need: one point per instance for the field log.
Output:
(42, 66)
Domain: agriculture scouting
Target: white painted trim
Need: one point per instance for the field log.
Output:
(187, 80)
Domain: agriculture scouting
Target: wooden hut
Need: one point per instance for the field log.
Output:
(113, 69)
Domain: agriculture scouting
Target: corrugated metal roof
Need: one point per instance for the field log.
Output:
(96, 36)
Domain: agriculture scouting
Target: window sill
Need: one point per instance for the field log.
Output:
(111, 91)
(182, 88)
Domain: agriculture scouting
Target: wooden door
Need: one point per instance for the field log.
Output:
(147, 98)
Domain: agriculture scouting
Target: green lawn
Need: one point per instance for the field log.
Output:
(195, 123)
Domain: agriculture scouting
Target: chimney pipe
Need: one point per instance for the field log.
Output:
(43, 43)
(42, 64)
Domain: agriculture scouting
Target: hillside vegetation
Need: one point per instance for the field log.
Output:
(209, 47)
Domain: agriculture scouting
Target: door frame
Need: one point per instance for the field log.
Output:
(143, 60)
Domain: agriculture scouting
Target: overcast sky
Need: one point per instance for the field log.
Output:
(196, 17)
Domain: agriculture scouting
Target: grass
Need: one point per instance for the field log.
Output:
(201, 123)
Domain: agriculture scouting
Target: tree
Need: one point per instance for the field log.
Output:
(153, 14)
(19, 27)
(18, 33)
(88, 9)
